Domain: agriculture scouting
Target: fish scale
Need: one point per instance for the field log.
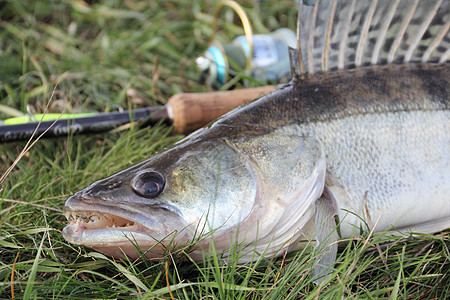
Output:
(375, 147)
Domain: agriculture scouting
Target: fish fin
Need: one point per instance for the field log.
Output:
(296, 66)
(326, 236)
(349, 33)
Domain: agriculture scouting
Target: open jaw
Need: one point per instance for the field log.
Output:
(110, 234)
(92, 220)
(115, 231)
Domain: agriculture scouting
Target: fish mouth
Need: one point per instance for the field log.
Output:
(92, 220)
(98, 224)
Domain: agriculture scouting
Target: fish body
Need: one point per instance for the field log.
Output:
(369, 142)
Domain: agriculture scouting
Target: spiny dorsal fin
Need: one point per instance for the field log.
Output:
(343, 34)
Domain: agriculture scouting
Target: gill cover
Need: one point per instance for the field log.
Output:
(289, 173)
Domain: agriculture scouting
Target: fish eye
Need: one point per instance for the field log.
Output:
(148, 184)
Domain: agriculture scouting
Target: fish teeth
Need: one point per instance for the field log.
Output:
(79, 216)
(71, 215)
(92, 219)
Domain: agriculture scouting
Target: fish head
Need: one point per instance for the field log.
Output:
(226, 190)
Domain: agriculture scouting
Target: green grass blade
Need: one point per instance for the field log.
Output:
(31, 279)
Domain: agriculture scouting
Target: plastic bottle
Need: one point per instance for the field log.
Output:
(269, 62)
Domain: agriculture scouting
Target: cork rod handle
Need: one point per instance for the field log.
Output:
(194, 110)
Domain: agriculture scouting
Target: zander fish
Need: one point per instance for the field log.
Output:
(364, 125)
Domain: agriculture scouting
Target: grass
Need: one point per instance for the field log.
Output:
(94, 51)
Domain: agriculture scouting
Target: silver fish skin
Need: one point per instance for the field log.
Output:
(369, 141)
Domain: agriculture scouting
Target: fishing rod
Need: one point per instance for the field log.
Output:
(187, 112)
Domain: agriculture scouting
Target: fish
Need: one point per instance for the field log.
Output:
(357, 140)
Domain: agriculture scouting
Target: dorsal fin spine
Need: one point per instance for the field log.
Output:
(363, 37)
(343, 42)
(310, 47)
(339, 34)
(402, 31)
(422, 30)
(380, 40)
(299, 65)
(445, 57)
(326, 45)
(436, 42)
